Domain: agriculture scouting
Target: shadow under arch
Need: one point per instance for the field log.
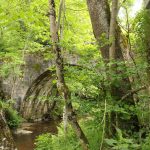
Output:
(39, 98)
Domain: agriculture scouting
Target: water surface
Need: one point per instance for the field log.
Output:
(26, 141)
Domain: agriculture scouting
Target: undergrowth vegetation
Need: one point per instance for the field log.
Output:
(70, 141)
(12, 117)
(109, 97)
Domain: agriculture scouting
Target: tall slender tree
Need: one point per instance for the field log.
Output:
(61, 84)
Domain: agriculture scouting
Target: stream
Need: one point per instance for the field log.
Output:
(25, 136)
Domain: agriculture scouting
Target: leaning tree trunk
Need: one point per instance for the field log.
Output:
(100, 18)
(61, 85)
(6, 139)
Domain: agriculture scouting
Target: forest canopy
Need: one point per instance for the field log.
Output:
(83, 62)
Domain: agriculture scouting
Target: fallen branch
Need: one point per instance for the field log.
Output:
(133, 92)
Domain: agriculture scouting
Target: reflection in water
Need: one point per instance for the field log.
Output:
(26, 141)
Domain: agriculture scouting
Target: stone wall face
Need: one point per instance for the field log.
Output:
(15, 87)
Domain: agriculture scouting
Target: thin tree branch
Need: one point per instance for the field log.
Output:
(129, 43)
(77, 9)
(59, 15)
(134, 91)
(104, 125)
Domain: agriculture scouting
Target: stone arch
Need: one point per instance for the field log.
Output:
(32, 107)
(39, 98)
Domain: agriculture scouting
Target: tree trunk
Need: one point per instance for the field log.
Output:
(112, 33)
(6, 140)
(100, 17)
(69, 113)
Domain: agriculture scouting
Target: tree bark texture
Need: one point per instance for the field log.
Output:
(100, 18)
(112, 33)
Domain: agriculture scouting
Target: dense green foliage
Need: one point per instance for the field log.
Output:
(11, 115)
(24, 29)
(141, 49)
(70, 141)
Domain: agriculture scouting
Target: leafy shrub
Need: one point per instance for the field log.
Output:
(44, 142)
(70, 141)
(12, 117)
(121, 143)
(59, 141)
(146, 143)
